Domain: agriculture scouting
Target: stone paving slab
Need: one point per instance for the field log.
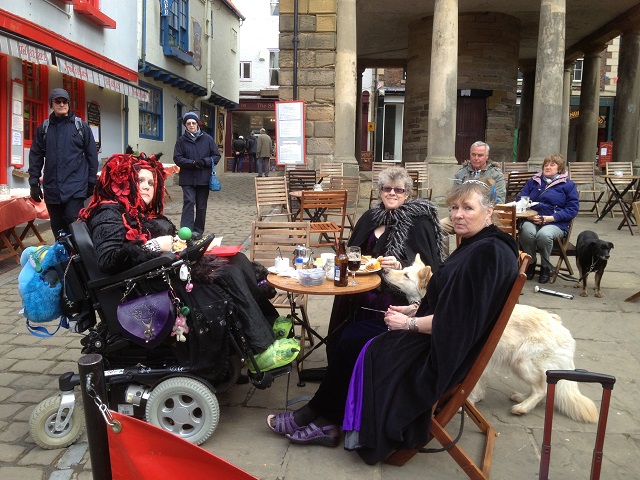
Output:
(606, 330)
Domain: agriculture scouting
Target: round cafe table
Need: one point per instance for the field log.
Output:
(526, 214)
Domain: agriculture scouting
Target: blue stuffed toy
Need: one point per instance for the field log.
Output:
(39, 284)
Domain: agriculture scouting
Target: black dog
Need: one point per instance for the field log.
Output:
(592, 255)
(261, 277)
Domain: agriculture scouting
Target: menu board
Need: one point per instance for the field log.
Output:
(93, 119)
(290, 133)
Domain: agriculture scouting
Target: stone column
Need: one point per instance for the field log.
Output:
(443, 96)
(345, 88)
(566, 108)
(589, 107)
(526, 111)
(547, 103)
(625, 134)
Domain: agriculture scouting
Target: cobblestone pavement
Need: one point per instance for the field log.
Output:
(607, 333)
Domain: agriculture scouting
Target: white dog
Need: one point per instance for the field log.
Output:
(533, 342)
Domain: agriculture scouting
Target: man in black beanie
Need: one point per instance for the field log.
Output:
(195, 153)
(65, 147)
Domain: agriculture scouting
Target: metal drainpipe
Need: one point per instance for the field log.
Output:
(295, 49)
(209, 80)
(144, 36)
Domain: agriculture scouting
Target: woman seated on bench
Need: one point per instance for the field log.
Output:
(127, 225)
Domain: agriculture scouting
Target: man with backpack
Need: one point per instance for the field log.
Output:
(65, 147)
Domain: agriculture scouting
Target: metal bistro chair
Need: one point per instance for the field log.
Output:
(272, 198)
(317, 203)
(352, 186)
(583, 175)
(270, 240)
(376, 168)
(422, 190)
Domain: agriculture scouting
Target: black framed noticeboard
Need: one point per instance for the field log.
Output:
(290, 133)
(93, 119)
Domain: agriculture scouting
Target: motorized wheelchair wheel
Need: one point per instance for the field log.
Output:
(42, 424)
(185, 407)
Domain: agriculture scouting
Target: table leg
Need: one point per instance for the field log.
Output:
(31, 226)
(12, 246)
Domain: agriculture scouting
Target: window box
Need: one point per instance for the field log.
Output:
(186, 58)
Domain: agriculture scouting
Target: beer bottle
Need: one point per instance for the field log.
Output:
(340, 275)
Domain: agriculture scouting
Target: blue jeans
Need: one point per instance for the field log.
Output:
(237, 161)
(539, 237)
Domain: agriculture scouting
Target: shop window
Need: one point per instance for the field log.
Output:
(174, 32)
(75, 88)
(245, 71)
(150, 114)
(274, 68)
(34, 78)
(275, 7)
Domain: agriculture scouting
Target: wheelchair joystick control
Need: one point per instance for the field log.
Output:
(185, 234)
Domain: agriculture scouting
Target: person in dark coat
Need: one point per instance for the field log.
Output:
(239, 147)
(557, 206)
(252, 149)
(127, 226)
(400, 374)
(195, 153)
(396, 230)
(71, 163)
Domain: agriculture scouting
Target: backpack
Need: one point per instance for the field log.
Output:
(79, 127)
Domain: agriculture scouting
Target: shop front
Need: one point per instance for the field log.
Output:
(250, 116)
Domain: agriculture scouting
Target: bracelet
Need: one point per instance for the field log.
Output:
(413, 325)
(152, 245)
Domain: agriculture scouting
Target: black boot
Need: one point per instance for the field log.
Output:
(531, 271)
(544, 275)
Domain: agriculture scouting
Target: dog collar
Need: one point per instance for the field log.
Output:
(262, 282)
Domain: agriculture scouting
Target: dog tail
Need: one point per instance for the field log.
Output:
(571, 402)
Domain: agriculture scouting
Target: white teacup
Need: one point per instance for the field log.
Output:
(282, 264)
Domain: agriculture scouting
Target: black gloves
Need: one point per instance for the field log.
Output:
(200, 163)
(90, 188)
(36, 193)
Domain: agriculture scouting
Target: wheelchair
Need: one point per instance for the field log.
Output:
(172, 385)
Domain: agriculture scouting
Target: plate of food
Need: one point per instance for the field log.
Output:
(369, 265)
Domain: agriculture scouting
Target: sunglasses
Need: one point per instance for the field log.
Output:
(393, 189)
(60, 101)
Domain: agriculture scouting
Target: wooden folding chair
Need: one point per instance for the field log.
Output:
(295, 166)
(506, 215)
(272, 198)
(299, 180)
(316, 203)
(423, 190)
(511, 167)
(376, 168)
(270, 240)
(563, 249)
(515, 182)
(618, 168)
(329, 169)
(415, 183)
(583, 175)
(352, 186)
(449, 404)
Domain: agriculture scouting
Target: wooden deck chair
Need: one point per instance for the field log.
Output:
(329, 169)
(506, 215)
(583, 175)
(610, 169)
(449, 404)
(515, 182)
(423, 178)
(352, 186)
(317, 203)
(268, 241)
(376, 168)
(299, 180)
(272, 198)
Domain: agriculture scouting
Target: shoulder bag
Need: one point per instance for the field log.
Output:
(214, 181)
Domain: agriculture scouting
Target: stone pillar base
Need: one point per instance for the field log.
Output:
(441, 171)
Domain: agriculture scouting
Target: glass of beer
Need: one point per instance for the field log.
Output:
(354, 259)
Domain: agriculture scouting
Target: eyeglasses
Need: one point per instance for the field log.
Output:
(191, 123)
(393, 189)
(61, 101)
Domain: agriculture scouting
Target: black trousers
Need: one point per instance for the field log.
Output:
(62, 215)
(194, 198)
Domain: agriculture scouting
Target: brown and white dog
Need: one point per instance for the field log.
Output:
(533, 342)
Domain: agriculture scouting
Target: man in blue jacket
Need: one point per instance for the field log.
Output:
(195, 153)
(65, 147)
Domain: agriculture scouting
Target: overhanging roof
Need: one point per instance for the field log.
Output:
(159, 74)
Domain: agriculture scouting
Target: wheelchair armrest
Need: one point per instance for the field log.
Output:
(164, 260)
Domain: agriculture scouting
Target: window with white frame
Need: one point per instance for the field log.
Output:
(245, 71)
(275, 7)
(577, 70)
(150, 114)
(274, 69)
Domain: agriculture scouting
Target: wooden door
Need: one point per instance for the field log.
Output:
(471, 124)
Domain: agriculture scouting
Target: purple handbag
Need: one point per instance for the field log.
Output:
(146, 320)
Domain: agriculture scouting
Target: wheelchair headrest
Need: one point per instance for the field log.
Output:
(85, 248)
